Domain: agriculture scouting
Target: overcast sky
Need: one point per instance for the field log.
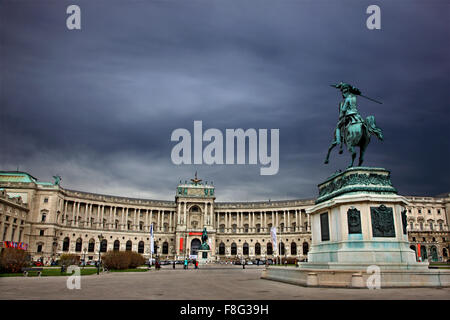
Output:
(98, 105)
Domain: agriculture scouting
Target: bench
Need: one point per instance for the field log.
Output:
(27, 270)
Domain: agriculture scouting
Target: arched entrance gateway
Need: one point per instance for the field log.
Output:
(195, 245)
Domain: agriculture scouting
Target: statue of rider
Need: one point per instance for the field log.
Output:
(348, 112)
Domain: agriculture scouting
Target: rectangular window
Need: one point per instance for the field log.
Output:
(45, 200)
(324, 227)
(41, 232)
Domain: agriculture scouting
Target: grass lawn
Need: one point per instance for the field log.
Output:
(50, 272)
(130, 270)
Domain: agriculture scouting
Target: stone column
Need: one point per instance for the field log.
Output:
(178, 213)
(301, 221)
(158, 220)
(276, 219)
(289, 220)
(102, 215)
(296, 220)
(218, 220)
(65, 212)
(253, 221)
(146, 220)
(151, 219)
(184, 214)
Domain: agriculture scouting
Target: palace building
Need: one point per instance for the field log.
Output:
(48, 220)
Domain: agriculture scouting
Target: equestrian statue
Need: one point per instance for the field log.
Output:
(352, 130)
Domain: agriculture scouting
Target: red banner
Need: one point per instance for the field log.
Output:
(195, 233)
(418, 251)
(181, 244)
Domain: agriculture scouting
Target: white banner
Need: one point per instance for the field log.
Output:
(273, 234)
(152, 245)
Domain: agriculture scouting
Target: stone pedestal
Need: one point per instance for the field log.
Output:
(358, 227)
(358, 221)
(204, 256)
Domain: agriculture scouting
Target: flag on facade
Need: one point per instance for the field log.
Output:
(273, 234)
(152, 246)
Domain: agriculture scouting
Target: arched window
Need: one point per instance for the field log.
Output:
(257, 249)
(245, 227)
(165, 248)
(269, 248)
(78, 245)
(423, 252)
(305, 248)
(128, 245)
(282, 227)
(233, 249)
(258, 227)
(233, 228)
(434, 254)
(44, 216)
(282, 250)
(104, 245)
(421, 226)
(116, 224)
(413, 247)
(116, 245)
(222, 248)
(222, 228)
(245, 249)
(141, 247)
(66, 244)
(293, 248)
(141, 226)
(91, 246)
(39, 248)
(128, 225)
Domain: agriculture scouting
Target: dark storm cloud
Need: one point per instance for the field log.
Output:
(98, 105)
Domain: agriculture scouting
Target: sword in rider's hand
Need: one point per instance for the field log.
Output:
(334, 86)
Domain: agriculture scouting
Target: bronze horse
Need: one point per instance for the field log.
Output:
(358, 135)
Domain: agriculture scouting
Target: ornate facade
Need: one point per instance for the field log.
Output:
(53, 220)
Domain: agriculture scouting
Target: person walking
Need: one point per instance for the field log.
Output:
(173, 264)
(185, 263)
(196, 264)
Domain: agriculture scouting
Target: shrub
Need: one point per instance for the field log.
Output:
(13, 260)
(119, 260)
(69, 259)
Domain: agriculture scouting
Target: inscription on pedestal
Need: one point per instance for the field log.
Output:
(354, 221)
(324, 228)
(382, 221)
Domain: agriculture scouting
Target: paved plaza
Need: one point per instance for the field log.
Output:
(212, 282)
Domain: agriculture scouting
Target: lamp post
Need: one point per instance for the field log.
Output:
(84, 257)
(100, 238)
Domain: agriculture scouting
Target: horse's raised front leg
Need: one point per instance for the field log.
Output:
(332, 145)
